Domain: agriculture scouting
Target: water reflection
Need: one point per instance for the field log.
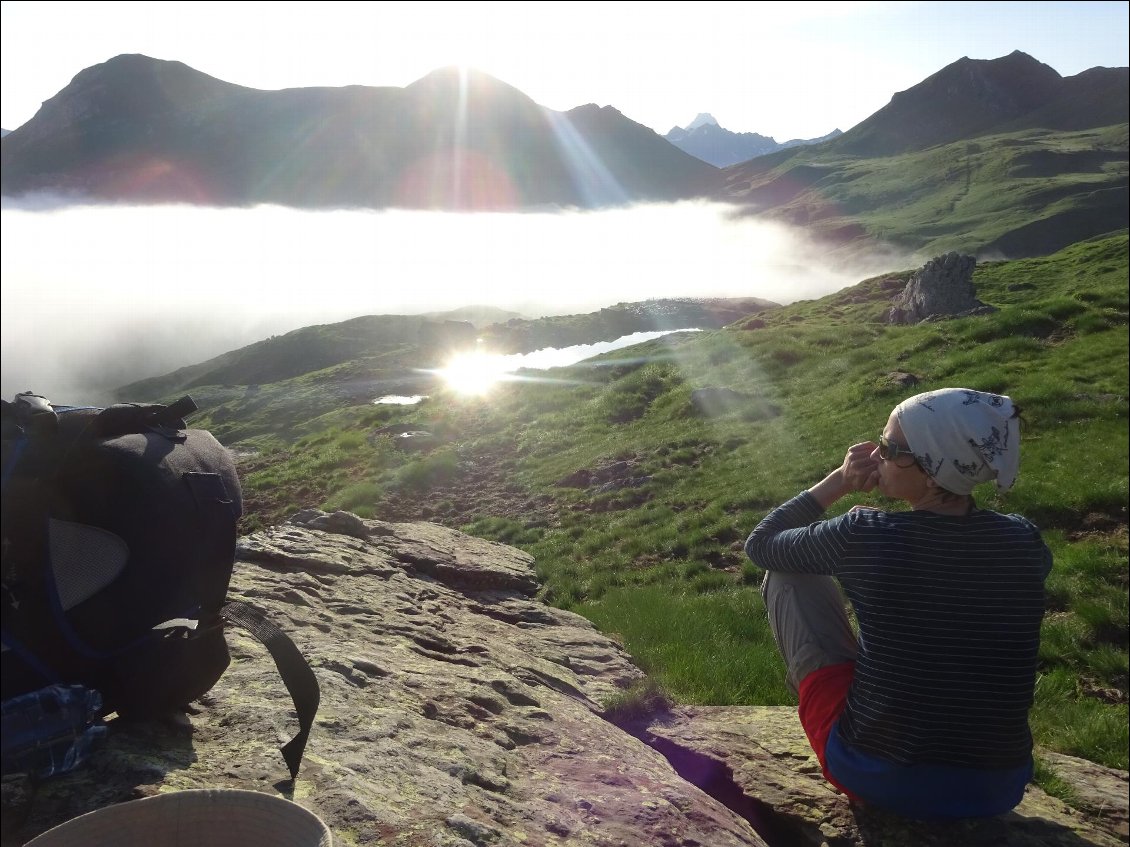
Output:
(101, 287)
(477, 372)
(400, 400)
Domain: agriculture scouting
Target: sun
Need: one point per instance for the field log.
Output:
(475, 373)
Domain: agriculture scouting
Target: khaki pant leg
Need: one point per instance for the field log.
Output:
(809, 623)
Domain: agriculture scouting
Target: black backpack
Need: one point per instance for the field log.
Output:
(119, 532)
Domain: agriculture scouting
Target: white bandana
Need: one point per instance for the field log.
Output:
(962, 437)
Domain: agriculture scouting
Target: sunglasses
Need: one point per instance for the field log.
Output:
(890, 451)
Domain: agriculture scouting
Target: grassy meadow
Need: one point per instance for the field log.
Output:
(648, 545)
(1016, 192)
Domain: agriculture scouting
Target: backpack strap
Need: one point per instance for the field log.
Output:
(136, 417)
(293, 668)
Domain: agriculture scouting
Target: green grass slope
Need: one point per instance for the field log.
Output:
(634, 478)
(287, 356)
(1022, 193)
(660, 563)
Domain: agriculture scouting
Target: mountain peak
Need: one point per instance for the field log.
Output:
(463, 81)
(963, 100)
(459, 75)
(148, 130)
(703, 119)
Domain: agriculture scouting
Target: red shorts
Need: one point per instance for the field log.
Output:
(823, 694)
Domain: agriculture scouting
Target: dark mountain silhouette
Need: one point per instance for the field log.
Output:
(1000, 157)
(705, 139)
(916, 174)
(1095, 97)
(976, 97)
(142, 129)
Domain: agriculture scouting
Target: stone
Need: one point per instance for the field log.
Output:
(764, 754)
(943, 286)
(1100, 791)
(457, 709)
(901, 379)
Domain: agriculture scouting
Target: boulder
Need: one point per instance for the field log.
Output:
(459, 710)
(943, 286)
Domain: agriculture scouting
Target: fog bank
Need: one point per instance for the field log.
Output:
(98, 296)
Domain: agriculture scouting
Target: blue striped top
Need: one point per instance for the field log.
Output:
(949, 611)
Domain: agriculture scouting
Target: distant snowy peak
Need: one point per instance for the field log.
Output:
(703, 119)
(705, 139)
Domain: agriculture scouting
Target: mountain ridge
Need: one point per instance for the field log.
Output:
(998, 157)
(946, 165)
(706, 139)
(147, 130)
(973, 97)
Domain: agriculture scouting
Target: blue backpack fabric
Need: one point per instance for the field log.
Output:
(119, 532)
(50, 731)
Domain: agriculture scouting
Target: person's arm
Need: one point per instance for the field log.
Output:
(859, 472)
(793, 538)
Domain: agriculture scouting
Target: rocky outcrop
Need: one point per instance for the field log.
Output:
(762, 754)
(459, 710)
(943, 286)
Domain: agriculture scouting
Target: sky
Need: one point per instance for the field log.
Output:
(786, 70)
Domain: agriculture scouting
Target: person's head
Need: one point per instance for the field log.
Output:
(901, 477)
(946, 442)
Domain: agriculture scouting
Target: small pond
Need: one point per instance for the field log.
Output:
(477, 372)
(400, 399)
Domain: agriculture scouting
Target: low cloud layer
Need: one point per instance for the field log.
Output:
(97, 296)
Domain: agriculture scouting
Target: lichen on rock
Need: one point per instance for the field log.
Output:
(459, 710)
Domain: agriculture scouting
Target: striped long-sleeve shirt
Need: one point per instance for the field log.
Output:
(949, 612)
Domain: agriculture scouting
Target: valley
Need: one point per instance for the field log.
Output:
(634, 477)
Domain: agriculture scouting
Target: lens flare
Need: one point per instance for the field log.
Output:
(475, 373)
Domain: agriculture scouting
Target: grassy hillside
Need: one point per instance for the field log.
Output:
(635, 477)
(1021, 193)
(378, 353)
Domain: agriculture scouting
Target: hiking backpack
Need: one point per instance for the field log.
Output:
(119, 532)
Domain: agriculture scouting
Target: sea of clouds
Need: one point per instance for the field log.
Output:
(95, 296)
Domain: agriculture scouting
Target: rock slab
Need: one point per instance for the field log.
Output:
(459, 711)
(456, 709)
(763, 753)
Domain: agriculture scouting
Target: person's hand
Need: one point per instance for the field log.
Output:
(859, 471)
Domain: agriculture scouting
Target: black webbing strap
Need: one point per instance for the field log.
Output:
(293, 668)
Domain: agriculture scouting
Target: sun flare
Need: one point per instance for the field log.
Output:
(475, 373)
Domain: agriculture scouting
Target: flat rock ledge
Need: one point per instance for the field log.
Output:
(459, 711)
